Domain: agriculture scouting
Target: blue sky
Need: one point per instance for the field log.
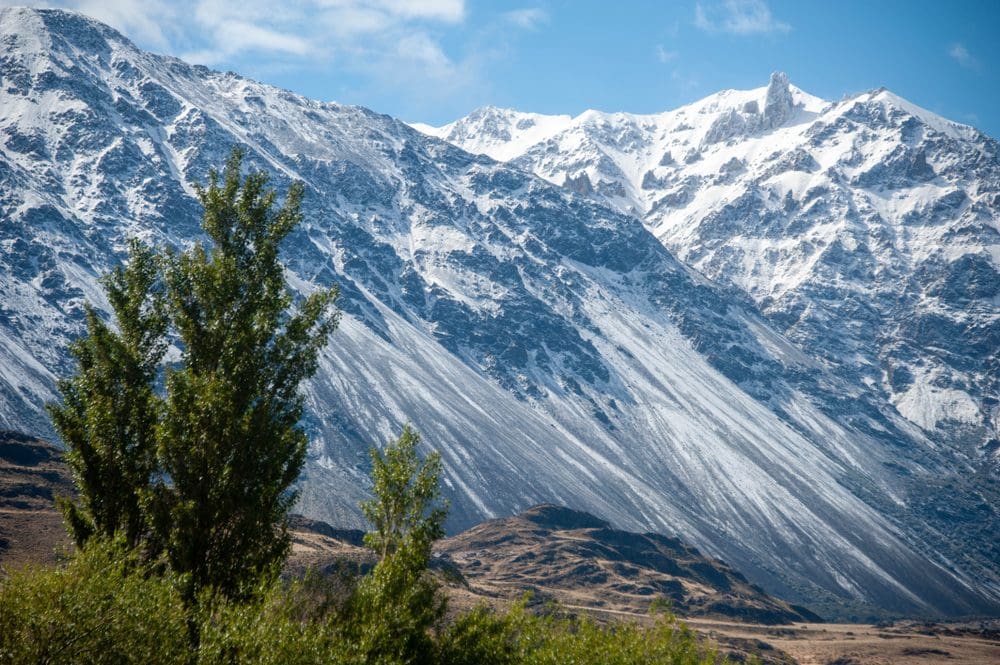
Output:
(436, 60)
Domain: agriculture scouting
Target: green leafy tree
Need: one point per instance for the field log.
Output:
(109, 410)
(229, 442)
(405, 513)
(398, 602)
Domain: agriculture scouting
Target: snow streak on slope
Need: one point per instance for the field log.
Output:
(868, 230)
(549, 346)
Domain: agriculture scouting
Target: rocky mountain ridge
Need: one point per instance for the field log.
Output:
(867, 230)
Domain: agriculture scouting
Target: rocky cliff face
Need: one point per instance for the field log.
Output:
(547, 344)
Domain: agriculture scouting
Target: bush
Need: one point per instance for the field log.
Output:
(100, 608)
(268, 629)
(104, 606)
(485, 637)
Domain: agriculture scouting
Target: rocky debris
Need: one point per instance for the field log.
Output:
(580, 184)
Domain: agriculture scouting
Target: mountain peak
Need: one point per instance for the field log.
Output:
(490, 111)
(38, 35)
(778, 102)
(63, 22)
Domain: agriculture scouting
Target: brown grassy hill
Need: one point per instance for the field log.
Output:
(32, 474)
(568, 556)
(579, 560)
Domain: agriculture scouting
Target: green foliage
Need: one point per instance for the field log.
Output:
(108, 606)
(484, 637)
(398, 602)
(661, 604)
(405, 513)
(230, 446)
(109, 409)
(103, 607)
(268, 628)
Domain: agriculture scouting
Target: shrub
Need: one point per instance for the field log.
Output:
(485, 637)
(105, 606)
(267, 629)
(102, 607)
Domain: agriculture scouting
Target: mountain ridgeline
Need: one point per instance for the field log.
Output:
(866, 230)
(544, 340)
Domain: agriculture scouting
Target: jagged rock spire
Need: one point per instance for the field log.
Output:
(778, 102)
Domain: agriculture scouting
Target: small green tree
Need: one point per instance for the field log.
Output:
(109, 411)
(398, 602)
(229, 442)
(405, 513)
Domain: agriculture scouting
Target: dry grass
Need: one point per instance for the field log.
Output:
(864, 644)
(32, 474)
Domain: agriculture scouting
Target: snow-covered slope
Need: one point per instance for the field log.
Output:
(550, 347)
(868, 230)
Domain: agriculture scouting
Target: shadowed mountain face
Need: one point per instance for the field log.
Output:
(548, 345)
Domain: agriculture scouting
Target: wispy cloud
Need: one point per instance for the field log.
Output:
(147, 21)
(396, 45)
(665, 55)
(738, 17)
(528, 19)
(215, 31)
(961, 55)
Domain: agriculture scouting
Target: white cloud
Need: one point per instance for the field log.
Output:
(961, 55)
(528, 19)
(450, 11)
(664, 55)
(141, 20)
(224, 29)
(420, 49)
(738, 17)
(421, 54)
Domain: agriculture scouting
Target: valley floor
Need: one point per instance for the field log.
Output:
(975, 643)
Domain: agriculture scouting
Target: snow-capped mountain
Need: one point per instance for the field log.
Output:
(548, 345)
(867, 230)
